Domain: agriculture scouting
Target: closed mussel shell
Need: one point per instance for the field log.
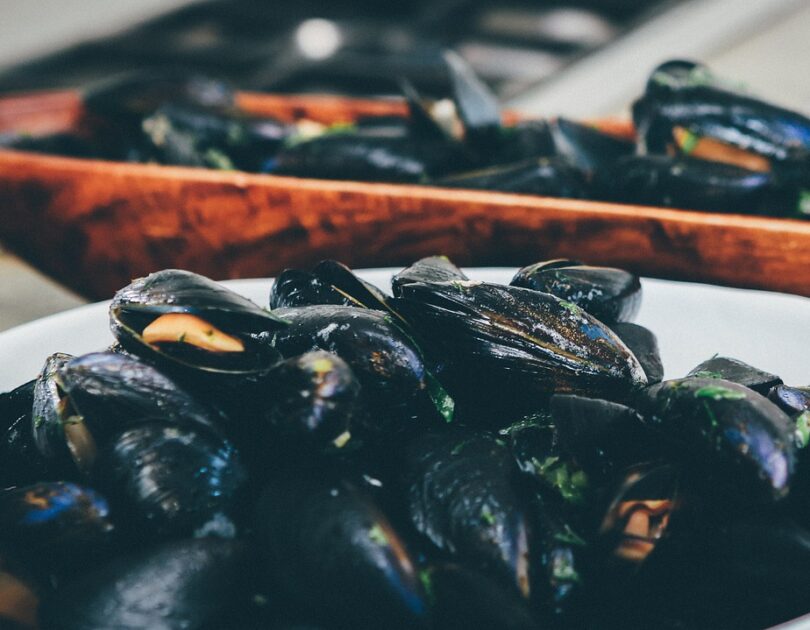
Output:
(727, 432)
(312, 399)
(459, 488)
(177, 586)
(170, 480)
(517, 345)
(189, 323)
(385, 361)
(736, 371)
(464, 598)
(644, 345)
(50, 524)
(609, 294)
(327, 545)
(21, 463)
(430, 269)
(294, 287)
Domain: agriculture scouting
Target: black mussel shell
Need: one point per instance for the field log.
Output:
(19, 600)
(69, 144)
(736, 371)
(518, 344)
(638, 515)
(347, 283)
(459, 488)
(173, 291)
(83, 403)
(329, 538)
(560, 562)
(602, 435)
(21, 463)
(430, 269)
(545, 176)
(464, 598)
(52, 524)
(524, 140)
(682, 182)
(312, 399)
(738, 443)
(360, 156)
(476, 104)
(170, 481)
(794, 401)
(644, 345)
(177, 586)
(537, 450)
(58, 432)
(607, 293)
(587, 147)
(294, 287)
(390, 368)
(192, 136)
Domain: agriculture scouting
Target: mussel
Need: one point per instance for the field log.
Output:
(50, 525)
(326, 545)
(728, 433)
(20, 461)
(588, 148)
(736, 371)
(430, 269)
(393, 378)
(181, 585)
(644, 345)
(460, 495)
(609, 294)
(515, 344)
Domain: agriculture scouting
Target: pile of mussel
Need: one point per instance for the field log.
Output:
(457, 455)
(701, 143)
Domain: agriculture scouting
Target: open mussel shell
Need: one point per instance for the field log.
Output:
(609, 294)
(312, 400)
(476, 104)
(736, 371)
(184, 321)
(389, 367)
(728, 433)
(638, 514)
(464, 598)
(522, 344)
(81, 404)
(347, 283)
(644, 345)
(327, 545)
(430, 269)
(544, 176)
(460, 495)
(49, 525)
(170, 480)
(180, 585)
(21, 463)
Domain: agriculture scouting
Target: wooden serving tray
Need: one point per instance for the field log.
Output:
(94, 225)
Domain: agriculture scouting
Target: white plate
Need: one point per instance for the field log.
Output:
(692, 322)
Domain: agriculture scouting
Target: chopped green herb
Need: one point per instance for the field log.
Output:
(689, 142)
(718, 392)
(443, 402)
(487, 516)
(426, 577)
(707, 374)
(563, 570)
(570, 536)
(217, 159)
(570, 482)
(459, 447)
(38, 421)
(803, 208)
(570, 306)
(377, 535)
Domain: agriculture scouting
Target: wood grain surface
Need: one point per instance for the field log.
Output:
(94, 225)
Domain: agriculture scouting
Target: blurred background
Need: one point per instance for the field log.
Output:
(584, 59)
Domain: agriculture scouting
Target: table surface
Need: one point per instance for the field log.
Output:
(773, 61)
